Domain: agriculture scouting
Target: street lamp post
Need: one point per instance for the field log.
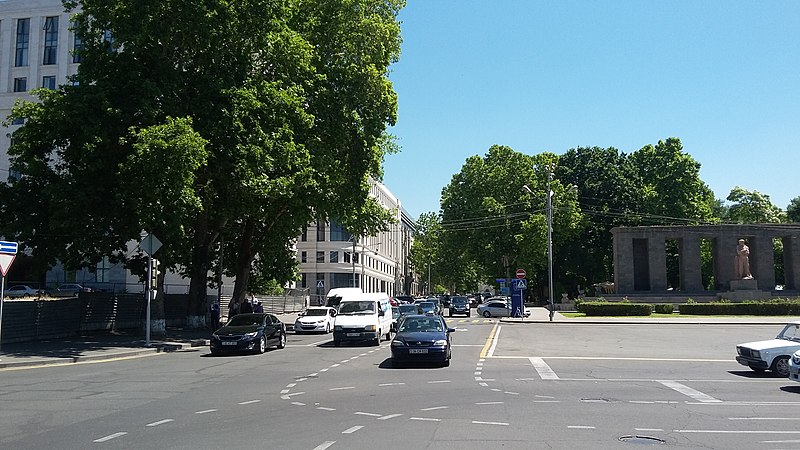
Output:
(550, 242)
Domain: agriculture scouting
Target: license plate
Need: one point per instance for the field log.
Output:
(418, 350)
(229, 342)
(354, 334)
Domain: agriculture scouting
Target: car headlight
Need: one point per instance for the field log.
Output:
(369, 328)
(796, 358)
(756, 354)
(398, 343)
(251, 335)
(321, 321)
(440, 342)
(337, 328)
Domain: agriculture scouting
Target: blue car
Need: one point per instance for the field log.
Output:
(422, 338)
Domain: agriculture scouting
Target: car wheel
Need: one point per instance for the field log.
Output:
(446, 363)
(757, 369)
(781, 366)
(487, 314)
(337, 343)
(262, 344)
(282, 341)
(468, 314)
(377, 340)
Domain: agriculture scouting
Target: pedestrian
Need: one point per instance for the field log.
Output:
(246, 307)
(214, 316)
(233, 309)
(257, 307)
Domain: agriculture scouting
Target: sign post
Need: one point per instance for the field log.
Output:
(8, 251)
(518, 297)
(150, 244)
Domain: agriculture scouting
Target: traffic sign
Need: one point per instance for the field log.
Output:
(150, 244)
(8, 247)
(520, 284)
(5, 262)
(320, 284)
(521, 273)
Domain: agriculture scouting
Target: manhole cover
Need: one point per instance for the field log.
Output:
(641, 440)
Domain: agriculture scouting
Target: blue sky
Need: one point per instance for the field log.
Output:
(723, 76)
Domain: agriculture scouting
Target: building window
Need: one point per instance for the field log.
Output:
(49, 82)
(304, 236)
(77, 45)
(20, 84)
(320, 231)
(18, 121)
(303, 257)
(347, 257)
(303, 281)
(50, 40)
(109, 39)
(320, 257)
(338, 233)
(23, 36)
(334, 257)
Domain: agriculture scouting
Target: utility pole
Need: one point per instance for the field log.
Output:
(550, 240)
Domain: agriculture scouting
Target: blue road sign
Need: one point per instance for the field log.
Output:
(8, 247)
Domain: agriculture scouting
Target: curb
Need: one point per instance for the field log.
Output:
(505, 320)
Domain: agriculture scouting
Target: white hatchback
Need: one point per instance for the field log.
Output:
(315, 318)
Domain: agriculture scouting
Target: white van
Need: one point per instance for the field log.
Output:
(336, 295)
(366, 317)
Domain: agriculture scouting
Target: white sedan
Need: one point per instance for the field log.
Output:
(794, 367)
(21, 290)
(315, 318)
(497, 307)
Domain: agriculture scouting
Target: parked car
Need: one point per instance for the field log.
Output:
(68, 290)
(794, 366)
(497, 307)
(249, 332)
(402, 299)
(458, 305)
(315, 318)
(412, 309)
(21, 290)
(771, 354)
(422, 339)
(428, 308)
(395, 317)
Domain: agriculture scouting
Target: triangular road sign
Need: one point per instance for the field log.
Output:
(5, 262)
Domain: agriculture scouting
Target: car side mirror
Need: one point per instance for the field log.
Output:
(451, 330)
(381, 313)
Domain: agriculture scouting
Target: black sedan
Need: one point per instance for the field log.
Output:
(422, 339)
(253, 332)
(458, 305)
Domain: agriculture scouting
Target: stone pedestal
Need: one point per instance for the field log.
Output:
(742, 290)
(750, 284)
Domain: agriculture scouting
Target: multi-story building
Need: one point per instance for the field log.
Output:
(330, 257)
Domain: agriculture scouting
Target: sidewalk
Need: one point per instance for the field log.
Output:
(96, 347)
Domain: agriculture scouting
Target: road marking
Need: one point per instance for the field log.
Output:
(285, 397)
(352, 429)
(738, 431)
(746, 403)
(314, 344)
(342, 388)
(547, 401)
(160, 422)
(580, 427)
(649, 429)
(428, 419)
(686, 390)
(335, 365)
(495, 340)
(359, 413)
(324, 445)
(477, 372)
(323, 408)
(298, 403)
(256, 401)
(111, 436)
(390, 416)
(489, 403)
(301, 379)
(325, 369)
(391, 384)
(286, 391)
(544, 371)
(363, 354)
(467, 345)
(780, 442)
(288, 395)
(489, 340)
(617, 358)
(291, 385)
(543, 396)
(763, 418)
(439, 381)
(434, 408)
(478, 422)
(495, 390)
(344, 361)
(312, 375)
(483, 384)
(511, 393)
(205, 411)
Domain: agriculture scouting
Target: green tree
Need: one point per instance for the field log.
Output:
(752, 207)
(793, 210)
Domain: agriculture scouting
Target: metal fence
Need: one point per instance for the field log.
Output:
(292, 300)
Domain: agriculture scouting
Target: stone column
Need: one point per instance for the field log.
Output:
(623, 263)
(762, 261)
(657, 259)
(691, 273)
(724, 254)
(791, 261)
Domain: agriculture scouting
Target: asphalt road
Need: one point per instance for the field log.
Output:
(510, 385)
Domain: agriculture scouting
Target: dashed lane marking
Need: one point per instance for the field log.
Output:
(288, 395)
(323, 408)
(359, 413)
(433, 408)
(390, 416)
(426, 419)
(206, 411)
(298, 403)
(544, 371)
(439, 381)
(111, 436)
(648, 429)
(489, 403)
(478, 422)
(250, 402)
(324, 445)
(391, 384)
(342, 388)
(580, 427)
(314, 344)
(763, 418)
(352, 429)
(689, 392)
(160, 422)
(739, 431)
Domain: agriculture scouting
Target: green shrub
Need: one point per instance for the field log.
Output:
(776, 307)
(663, 308)
(615, 309)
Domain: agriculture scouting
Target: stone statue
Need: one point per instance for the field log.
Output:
(742, 261)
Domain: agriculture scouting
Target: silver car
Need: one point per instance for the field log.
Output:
(497, 307)
(794, 367)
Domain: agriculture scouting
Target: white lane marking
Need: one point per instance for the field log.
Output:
(543, 396)
(323, 408)
(298, 403)
(291, 385)
(288, 395)
(527, 379)
(466, 345)
(111, 436)
(781, 442)
(483, 384)
(489, 403)
(495, 339)
(160, 422)
(206, 411)
(481, 360)
(359, 413)
(544, 371)
(477, 372)
(689, 392)
(511, 393)
(763, 418)
(325, 369)
(428, 419)
(746, 403)
(617, 358)
(478, 422)
(285, 397)
(390, 416)
(439, 381)
(314, 344)
(354, 357)
(344, 361)
(335, 365)
(312, 375)
(649, 429)
(286, 391)
(580, 427)
(547, 401)
(738, 431)
(301, 379)
(391, 384)
(256, 401)
(352, 429)
(432, 408)
(342, 388)
(324, 445)
(495, 390)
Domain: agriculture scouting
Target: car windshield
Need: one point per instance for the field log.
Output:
(352, 308)
(459, 300)
(419, 324)
(243, 320)
(427, 306)
(790, 333)
(316, 312)
(408, 309)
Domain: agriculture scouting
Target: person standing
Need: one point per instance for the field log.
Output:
(246, 307)
(742, 261)
(257, 307)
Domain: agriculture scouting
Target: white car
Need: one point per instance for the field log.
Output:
(497, 307)
(21, 290)
(794, 367)
(315, 318)
(773, 354)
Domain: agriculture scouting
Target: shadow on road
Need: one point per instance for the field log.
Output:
(791, 389)
(753, 374)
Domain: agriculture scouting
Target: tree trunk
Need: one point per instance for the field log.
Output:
(244, 260)
(196, 314)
